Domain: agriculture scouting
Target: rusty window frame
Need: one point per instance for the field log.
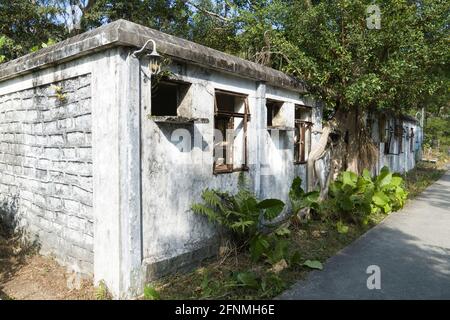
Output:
(304, 129)
(229, 167)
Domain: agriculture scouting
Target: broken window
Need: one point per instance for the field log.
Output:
(388, 145)
(230, 138)
(302, 138)
(168, 96)
(382, 128)
(411, 140)
(399, 136)
(274, 117)
(394, 141)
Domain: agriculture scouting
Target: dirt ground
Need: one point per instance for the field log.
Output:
(26, 275)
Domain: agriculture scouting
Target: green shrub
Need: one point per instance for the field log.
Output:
(241, 214)
(301, 199)
(352, 196)
(355, 198)
(390, 193)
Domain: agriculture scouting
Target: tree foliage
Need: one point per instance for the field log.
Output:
(24, 24)
(396, 68)
(166, 15)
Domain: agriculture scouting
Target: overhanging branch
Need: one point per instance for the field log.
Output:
(210, 13)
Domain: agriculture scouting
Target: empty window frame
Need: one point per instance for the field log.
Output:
(383, 124)
(274, 117)
(411, 140)
(302, 136)
(167, 96)
(394, 133)
(230, 136)
(390, 141)
(399, 136)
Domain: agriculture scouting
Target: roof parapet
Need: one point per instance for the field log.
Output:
(125, 33)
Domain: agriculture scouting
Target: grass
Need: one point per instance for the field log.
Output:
(313, 239)
(424, 174)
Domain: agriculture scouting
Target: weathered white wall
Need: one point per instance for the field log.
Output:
(406, 159)
(173, 177)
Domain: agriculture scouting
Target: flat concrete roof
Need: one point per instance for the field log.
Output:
(409, 118)
(125, 33)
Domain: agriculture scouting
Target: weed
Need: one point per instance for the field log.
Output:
(150, 293)
(102, 292)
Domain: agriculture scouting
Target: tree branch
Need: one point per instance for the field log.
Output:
(88, 6)
(210, 13)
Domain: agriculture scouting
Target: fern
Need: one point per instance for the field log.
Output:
(239, 213)
(206, 211)
(242, 225)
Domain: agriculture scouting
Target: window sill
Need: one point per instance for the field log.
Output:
(281, 128)
(225, 171)
(177, 119)
(308, 123)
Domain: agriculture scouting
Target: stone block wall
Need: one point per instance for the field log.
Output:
(46, 167)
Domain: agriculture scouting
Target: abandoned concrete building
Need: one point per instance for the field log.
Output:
(101, 161)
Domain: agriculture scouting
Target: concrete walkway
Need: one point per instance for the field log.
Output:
(411, 247)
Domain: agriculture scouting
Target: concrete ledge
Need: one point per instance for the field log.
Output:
(125, 33)
(75, 47)
(181, 263)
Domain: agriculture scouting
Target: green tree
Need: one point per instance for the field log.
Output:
(213, 26)
(170, 16)
(355, 69)
(25, 24)
(437, 128)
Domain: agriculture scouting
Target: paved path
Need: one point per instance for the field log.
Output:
(411, 247)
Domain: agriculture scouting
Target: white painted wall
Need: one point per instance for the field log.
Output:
(172, 180)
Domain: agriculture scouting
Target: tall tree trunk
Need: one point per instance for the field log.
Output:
(315, 154)
(354, 150)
